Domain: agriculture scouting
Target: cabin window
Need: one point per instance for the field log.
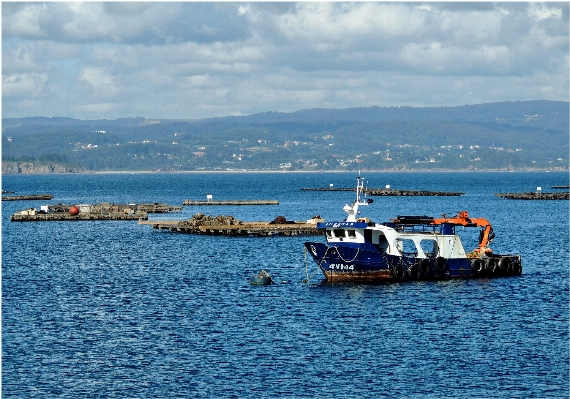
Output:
(329, 234)
(351, 233)
(339, 233)
(429, 247)
(407, 247)
(383, 243)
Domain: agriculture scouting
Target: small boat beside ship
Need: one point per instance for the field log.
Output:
(406, 248)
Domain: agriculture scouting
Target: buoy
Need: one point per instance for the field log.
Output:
(74, 211)
(263, 278)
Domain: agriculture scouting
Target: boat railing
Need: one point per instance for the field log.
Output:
(415, 228)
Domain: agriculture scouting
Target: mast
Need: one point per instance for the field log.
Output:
(352, 210)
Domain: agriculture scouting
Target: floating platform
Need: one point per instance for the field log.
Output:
(387, 192)
(244, 229)
(59, 212)
(60, 216)
(535, 196)
(329, 189)
(567, 186)
(148, 208)
(36, 197)
(232, 202)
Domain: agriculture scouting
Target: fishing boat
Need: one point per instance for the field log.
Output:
(406, 248)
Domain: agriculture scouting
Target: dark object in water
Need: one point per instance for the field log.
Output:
(262, 278)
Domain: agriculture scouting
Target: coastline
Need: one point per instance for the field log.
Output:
(117, 172)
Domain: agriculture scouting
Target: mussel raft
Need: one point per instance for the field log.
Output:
(229, 226)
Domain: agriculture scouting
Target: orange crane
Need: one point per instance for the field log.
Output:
(485, 237)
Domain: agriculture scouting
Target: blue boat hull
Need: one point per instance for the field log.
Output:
(353, 263)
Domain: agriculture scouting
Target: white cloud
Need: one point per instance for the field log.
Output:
(540, 12)
(102, 83)
(193, 60)
(23, 84)
(24, 19)
(343, 23)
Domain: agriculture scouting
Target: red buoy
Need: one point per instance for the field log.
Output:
(74, 211)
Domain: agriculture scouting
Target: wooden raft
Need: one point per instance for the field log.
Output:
(232, 202)
(535, 196)
(248, 229)
(387, 192)
(328, 189)
(62, 216)
(33, 197)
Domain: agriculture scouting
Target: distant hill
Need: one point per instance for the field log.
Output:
(498, 136)
(20, 124)
(550, 115)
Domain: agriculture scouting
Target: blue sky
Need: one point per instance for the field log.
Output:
(190, 60)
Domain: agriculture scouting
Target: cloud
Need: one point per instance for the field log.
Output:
(23, 85)
(195, 60)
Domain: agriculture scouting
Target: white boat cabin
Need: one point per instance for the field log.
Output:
(388, 240)
(419, 241)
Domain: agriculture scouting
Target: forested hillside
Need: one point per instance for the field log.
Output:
(499, 136)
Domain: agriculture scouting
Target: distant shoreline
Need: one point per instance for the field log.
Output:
(328, 171)
(126, 172)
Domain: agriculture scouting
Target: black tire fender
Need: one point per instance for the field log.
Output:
(425, 267)
(516, 268)
(440, 264)
(414, 271)
(477, 266)
(399, 272)
(505, 265)
(492, 265)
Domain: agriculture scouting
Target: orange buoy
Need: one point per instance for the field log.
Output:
(74, 211)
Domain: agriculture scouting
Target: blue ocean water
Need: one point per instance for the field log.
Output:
(118, 310)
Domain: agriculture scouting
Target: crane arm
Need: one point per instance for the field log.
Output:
(487, 235)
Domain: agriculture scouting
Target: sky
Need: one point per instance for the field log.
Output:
(194, 60)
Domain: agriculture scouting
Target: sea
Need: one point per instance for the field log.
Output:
(116, 309)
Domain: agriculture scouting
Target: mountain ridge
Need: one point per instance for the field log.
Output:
(504, 135)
